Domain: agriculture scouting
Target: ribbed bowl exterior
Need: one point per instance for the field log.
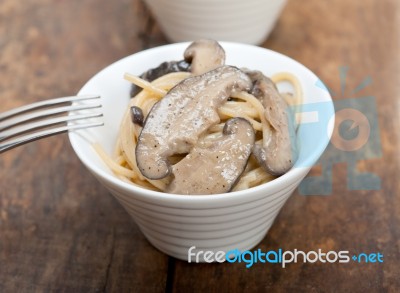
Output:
(245, 21)
(174, 226)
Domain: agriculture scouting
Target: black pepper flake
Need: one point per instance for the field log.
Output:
(137, 116)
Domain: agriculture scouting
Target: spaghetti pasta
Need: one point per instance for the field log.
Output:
(241, 104)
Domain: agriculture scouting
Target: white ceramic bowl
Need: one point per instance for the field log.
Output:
(237, 220)
(245, 21)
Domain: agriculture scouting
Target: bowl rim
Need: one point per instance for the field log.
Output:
(290, 176)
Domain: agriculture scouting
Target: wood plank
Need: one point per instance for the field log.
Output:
(60, 231)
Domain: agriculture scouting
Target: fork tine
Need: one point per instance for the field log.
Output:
(12, 122)
(45, 133)
(15, 131)
(45, 103)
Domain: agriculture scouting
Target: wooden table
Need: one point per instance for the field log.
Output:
(60, 231)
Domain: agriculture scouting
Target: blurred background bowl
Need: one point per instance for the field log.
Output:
(248, 21)
(237, 220)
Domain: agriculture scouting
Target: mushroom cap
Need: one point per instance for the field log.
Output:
(278, 152)
(160, 70)
(201, 56)
(204, 55)
(216, 168)
(175, 123)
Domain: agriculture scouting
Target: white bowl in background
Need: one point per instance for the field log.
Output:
(236, 220)
(248, 21)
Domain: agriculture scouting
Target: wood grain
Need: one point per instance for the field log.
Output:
(60, 231)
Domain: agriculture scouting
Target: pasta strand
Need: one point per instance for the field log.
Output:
(245, 105)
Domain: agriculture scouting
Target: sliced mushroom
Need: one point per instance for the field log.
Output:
(162, 69)
(217, 168)
(201, 56)
(278, 152)
(175, 123)
(204, 55)
(137, 116)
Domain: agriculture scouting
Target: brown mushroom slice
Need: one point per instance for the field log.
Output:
(278, 152)
(204, 55)
(160, 70)
(175, 123)
(216, 168)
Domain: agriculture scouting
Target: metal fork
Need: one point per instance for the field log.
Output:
(46, 118)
